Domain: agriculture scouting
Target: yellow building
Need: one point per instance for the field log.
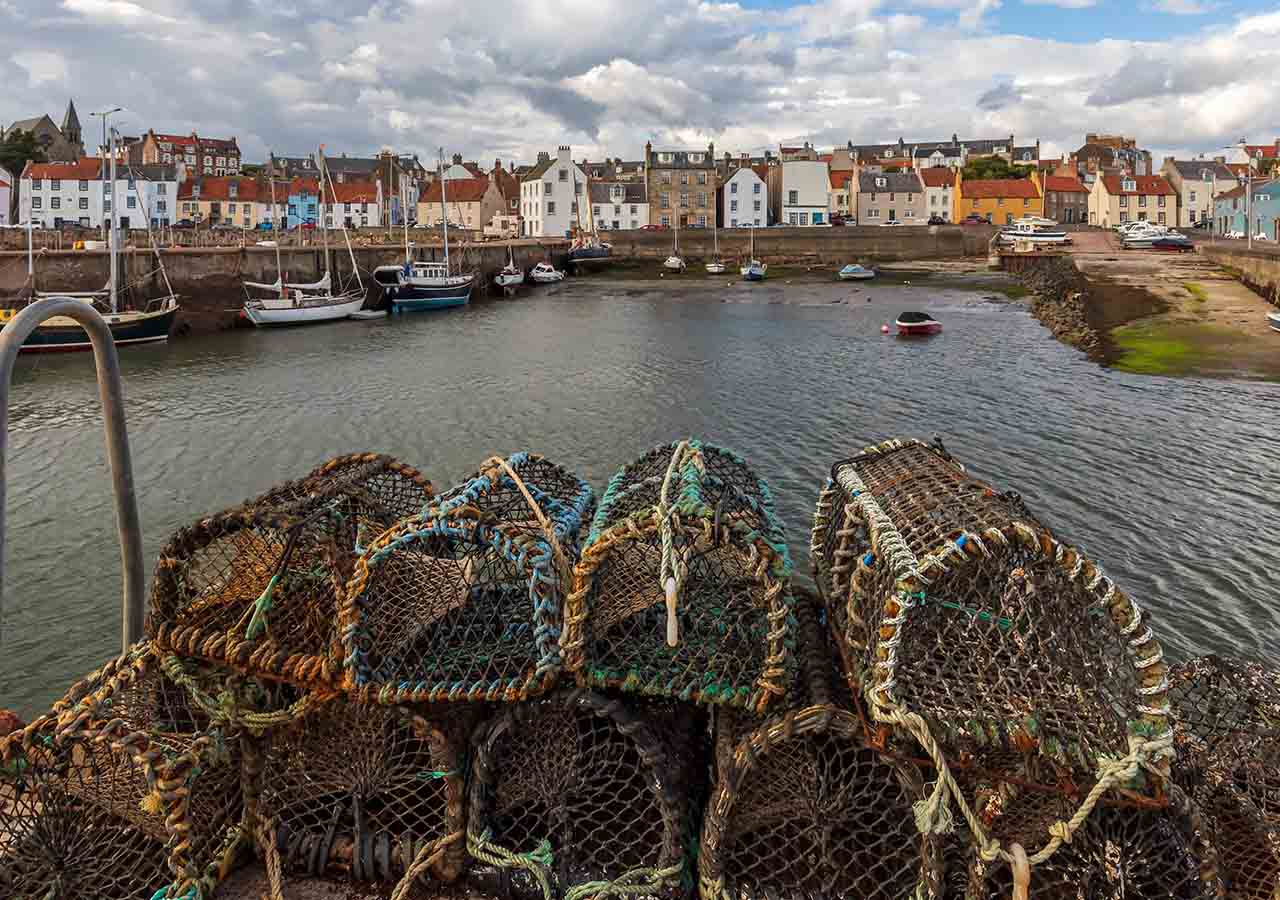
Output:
(999, 201)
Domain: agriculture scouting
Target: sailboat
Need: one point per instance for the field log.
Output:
(511, 275)
(716, 266)
(304, 304)
(754, 270)
(674, 262)
(149, 325)
(426, 285)
(587, 246)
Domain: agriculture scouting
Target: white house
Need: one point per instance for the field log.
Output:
(6, 195)
(939, 188)
(56, 194)
(549, 195)
(619, 204)
(805, 187)
(746, 199)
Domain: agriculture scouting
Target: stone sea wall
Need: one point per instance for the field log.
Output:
(1258, 268)
(1060, 300)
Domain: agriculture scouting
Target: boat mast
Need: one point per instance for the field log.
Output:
(324, 228)
(113, 237)
(274, 211)
(404, 215)
(146, 218)
(444, 209)
(346, 235)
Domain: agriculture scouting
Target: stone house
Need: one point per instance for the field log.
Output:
(619, 204)
(939, 182)
(1197, 182)
(201, 156)
(550, 193)
(1110, 154)
(65, 144)
(472, 202)
(681, 186)
(1066, 199)
(998, 200)
(890, 197)
(1115, 199)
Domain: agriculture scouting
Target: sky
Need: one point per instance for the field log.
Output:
(504, 80)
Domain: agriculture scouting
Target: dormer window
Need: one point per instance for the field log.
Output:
(882, 182)
(1128, 185)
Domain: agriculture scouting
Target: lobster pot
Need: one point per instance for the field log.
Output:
(950, 602)
(464, 602)
(803, 806)
(357, 791)
(1228, 741)
(683, 589)
(126, 793)
(256, 587)
(1119, 853)
(575, 789)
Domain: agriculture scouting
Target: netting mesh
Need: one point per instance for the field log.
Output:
(952, 602)
(356, 791)
(577, 789)
(464, 602)
(722, 629)
(256, 587)
(1227, 731)
(130, 786)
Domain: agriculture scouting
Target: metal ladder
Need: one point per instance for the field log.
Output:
(12, 336)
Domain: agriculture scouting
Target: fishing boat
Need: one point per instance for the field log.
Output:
(855, 272)
(418, 286)
(716, 266)
(914, 323)
(511, 275)
(289, 303)
(545, 273)
(754, 270)
(149, 325)
(674, 262)
(1173, 242)
(1036, 230)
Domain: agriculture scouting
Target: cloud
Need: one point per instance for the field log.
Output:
(998, 96)
(42, 66)
(1071, 4)
(1181, 7)
(121, 12)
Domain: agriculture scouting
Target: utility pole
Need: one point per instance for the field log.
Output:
(104, 115)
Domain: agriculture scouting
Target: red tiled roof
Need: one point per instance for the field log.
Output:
(354, 192)
(1064, 184)
(1143, 184)
(937, 176)
(300, 185)
(993, 188)
(188, 140)
(459, 190)
(762, 171)
(84, 169)
(825, 157)
(840, 180)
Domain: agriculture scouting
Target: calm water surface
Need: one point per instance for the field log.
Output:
(1168, 483)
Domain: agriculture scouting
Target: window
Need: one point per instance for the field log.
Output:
(162, 188)
(999, 201)
(1142, 217)
(55, 202)
(1026, 203)
(577, 188)
(35, 184)
(1193, 197)
(564, 174)
(328, 221)
(733, 223)
(1142, 201)
(757, 223)
(684, 177)
(84, 185)
(131, 202)
(617, 210)
(1193, 216)
(1128, 185)
(364, 220)
(792, 218)
(702, 199)
(733, 206)
(1008, 218)
(664, 201)
(55, 184)
(634, 211)
(666, 221)
(84, 221)
(665, 177)
(1124, 217)
(733, 187)
(793, 198)
(882, 182)
(755, 188)
(684, 199)
(546, 187)
(551, 207)
(635, 223)
(131, 182)
(702, 221)
(893, 215)
(595, 211)
(1160, 201)
(36, 202)
(873, 214)
(1124, 202)
(933, 200)
(756, 204)
(1160, 218)
(222, 161)
(666, 158)
(231, 208)
(84, 202)
(161, 206)
(346, 207)
(702, 176)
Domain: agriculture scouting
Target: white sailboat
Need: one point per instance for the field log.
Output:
(675, 262)
(716, 266)
(511, 275)
(290, 303)
(754, 270)
(545, 273)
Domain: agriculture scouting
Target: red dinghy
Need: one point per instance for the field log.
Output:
(912, 323)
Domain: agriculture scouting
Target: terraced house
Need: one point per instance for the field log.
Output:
(998, 200)
(890, 197)
(681, 186)
(1116, 199)
(1197, 182)
(201, 155)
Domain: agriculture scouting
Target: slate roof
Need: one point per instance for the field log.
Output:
(1193, 169)
(1144, 184)
(636, 192)
(30, 124)
(949, 151)
(894, 182)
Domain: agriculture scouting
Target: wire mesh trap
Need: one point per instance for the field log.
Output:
(358, 791)
(968, 627)
(127, 792)
(1227, 733)
(683, 588)
(464, 602)
(576, 795)
(804, 807)
(256, 587)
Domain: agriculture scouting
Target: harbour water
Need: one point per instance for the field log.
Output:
(1168, 483)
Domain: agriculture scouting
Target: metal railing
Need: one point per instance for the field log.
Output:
(12, 336)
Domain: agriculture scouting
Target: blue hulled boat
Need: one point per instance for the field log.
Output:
(422, 286)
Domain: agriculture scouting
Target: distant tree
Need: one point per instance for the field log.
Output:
(16, 149)
(994, 167)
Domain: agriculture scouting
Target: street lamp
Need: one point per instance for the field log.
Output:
(1248, 192)
(105, 115)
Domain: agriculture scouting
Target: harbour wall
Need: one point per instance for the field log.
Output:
(1258, 268)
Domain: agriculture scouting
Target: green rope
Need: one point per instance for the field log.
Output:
(261, 607)
(634, 883)
(536, 863)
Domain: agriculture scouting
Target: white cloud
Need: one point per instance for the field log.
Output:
(1181, 7)
(1065, 4)
(972, 17)
(42, 66)
(121, 12)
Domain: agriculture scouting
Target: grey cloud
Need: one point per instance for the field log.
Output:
(998, 96)
(1145, 77)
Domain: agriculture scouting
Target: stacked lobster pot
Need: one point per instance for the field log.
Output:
(254, 593)
(682, 596)
(459, 608)
(978, 641)
(1227, 727)
(125, 789)
(804, 806)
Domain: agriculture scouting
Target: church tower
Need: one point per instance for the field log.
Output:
(71, 128)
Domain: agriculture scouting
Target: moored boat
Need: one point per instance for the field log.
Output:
(1273, 321)
(1035, 230)
(675, 262)
(716, 266)
(855, 272)
(545, 273)
(754, 270)
(511, 275)
(1173, 242)
(428, 285)
(915, 323)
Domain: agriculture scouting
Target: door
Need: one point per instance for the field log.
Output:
(124, 223)
(684, 221)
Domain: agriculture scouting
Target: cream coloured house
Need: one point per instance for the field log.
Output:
(472, 202)
(1116, 199)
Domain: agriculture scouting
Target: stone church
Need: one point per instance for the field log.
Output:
(65, 144)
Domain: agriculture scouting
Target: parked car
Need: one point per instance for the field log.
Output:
(890, 224)
(653, 227)
(936, 219)
(183, 224)
(838, 220)
(1203, 224)
(974, 219)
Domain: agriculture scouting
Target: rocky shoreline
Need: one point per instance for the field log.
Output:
(1060, 301)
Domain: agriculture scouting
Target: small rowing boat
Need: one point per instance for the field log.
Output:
(914, 323)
